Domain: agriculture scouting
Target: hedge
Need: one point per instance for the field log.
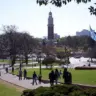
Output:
(60, 90)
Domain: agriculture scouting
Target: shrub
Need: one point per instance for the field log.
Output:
(90, 92)
(60, 90)
(28, 93)
(75, 88)
(77, 93)
(48, 93)
(40, 90)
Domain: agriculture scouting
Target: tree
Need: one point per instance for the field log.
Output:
(15, 44)
(64, 56)
(48, 61)
(60, 3)
(11, 36)
(92, 53)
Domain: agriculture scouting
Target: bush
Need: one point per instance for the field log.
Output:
(48, 93)
(77, 93)
(60, 90)
(90, 92)
(28, 93)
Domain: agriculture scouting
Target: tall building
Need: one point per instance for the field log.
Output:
(50, 27)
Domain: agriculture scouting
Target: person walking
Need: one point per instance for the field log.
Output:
(56, 76)
(67, 77)
(6, 69)
(20, 74)
(25, 74)
(51, 77)
(40, 79)
(12, 70)
(34, 76)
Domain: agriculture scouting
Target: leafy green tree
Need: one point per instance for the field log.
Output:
(60, 3)
(48, 61)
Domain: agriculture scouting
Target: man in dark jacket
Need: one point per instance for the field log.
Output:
(34, 76)
(67, 77)
(25, 74)
(20, 74)
(56, 75)
(51, 77)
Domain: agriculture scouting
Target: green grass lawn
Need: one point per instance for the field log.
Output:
(8, 91)
(78, 76)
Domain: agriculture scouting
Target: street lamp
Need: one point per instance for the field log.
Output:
(39, 60)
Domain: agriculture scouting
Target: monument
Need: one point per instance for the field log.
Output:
(50, 30)
(50, 27)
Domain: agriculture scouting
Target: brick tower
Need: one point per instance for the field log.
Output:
(50, 27)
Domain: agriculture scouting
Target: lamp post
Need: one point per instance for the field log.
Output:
(39, 57)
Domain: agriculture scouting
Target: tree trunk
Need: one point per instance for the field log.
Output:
(26, 59)
(13, 59)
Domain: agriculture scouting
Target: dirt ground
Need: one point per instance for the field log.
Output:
(18, 88)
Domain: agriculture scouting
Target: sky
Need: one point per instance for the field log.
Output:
(28, 16)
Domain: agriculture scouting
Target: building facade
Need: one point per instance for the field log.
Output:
(83, 33)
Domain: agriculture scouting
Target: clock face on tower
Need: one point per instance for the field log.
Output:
(50, 27)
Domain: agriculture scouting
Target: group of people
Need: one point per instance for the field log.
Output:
(24, 73)
(55, 75)
(34, 76)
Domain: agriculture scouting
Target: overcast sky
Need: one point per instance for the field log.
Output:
(28, 16)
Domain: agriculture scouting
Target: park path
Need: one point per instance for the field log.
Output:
(13, 79)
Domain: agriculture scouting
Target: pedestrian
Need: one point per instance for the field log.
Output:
(56, 76)
(67, 77)
(6, 69)
(51, 77)
(20, 74)
(34, 76)
(60, 73)
(12, 70)
(25, 74)
(39, 78)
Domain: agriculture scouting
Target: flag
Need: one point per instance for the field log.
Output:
(93, 34)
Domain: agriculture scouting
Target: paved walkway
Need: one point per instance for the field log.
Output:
(23, 83)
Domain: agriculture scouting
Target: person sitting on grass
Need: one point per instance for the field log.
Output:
(34, 76)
